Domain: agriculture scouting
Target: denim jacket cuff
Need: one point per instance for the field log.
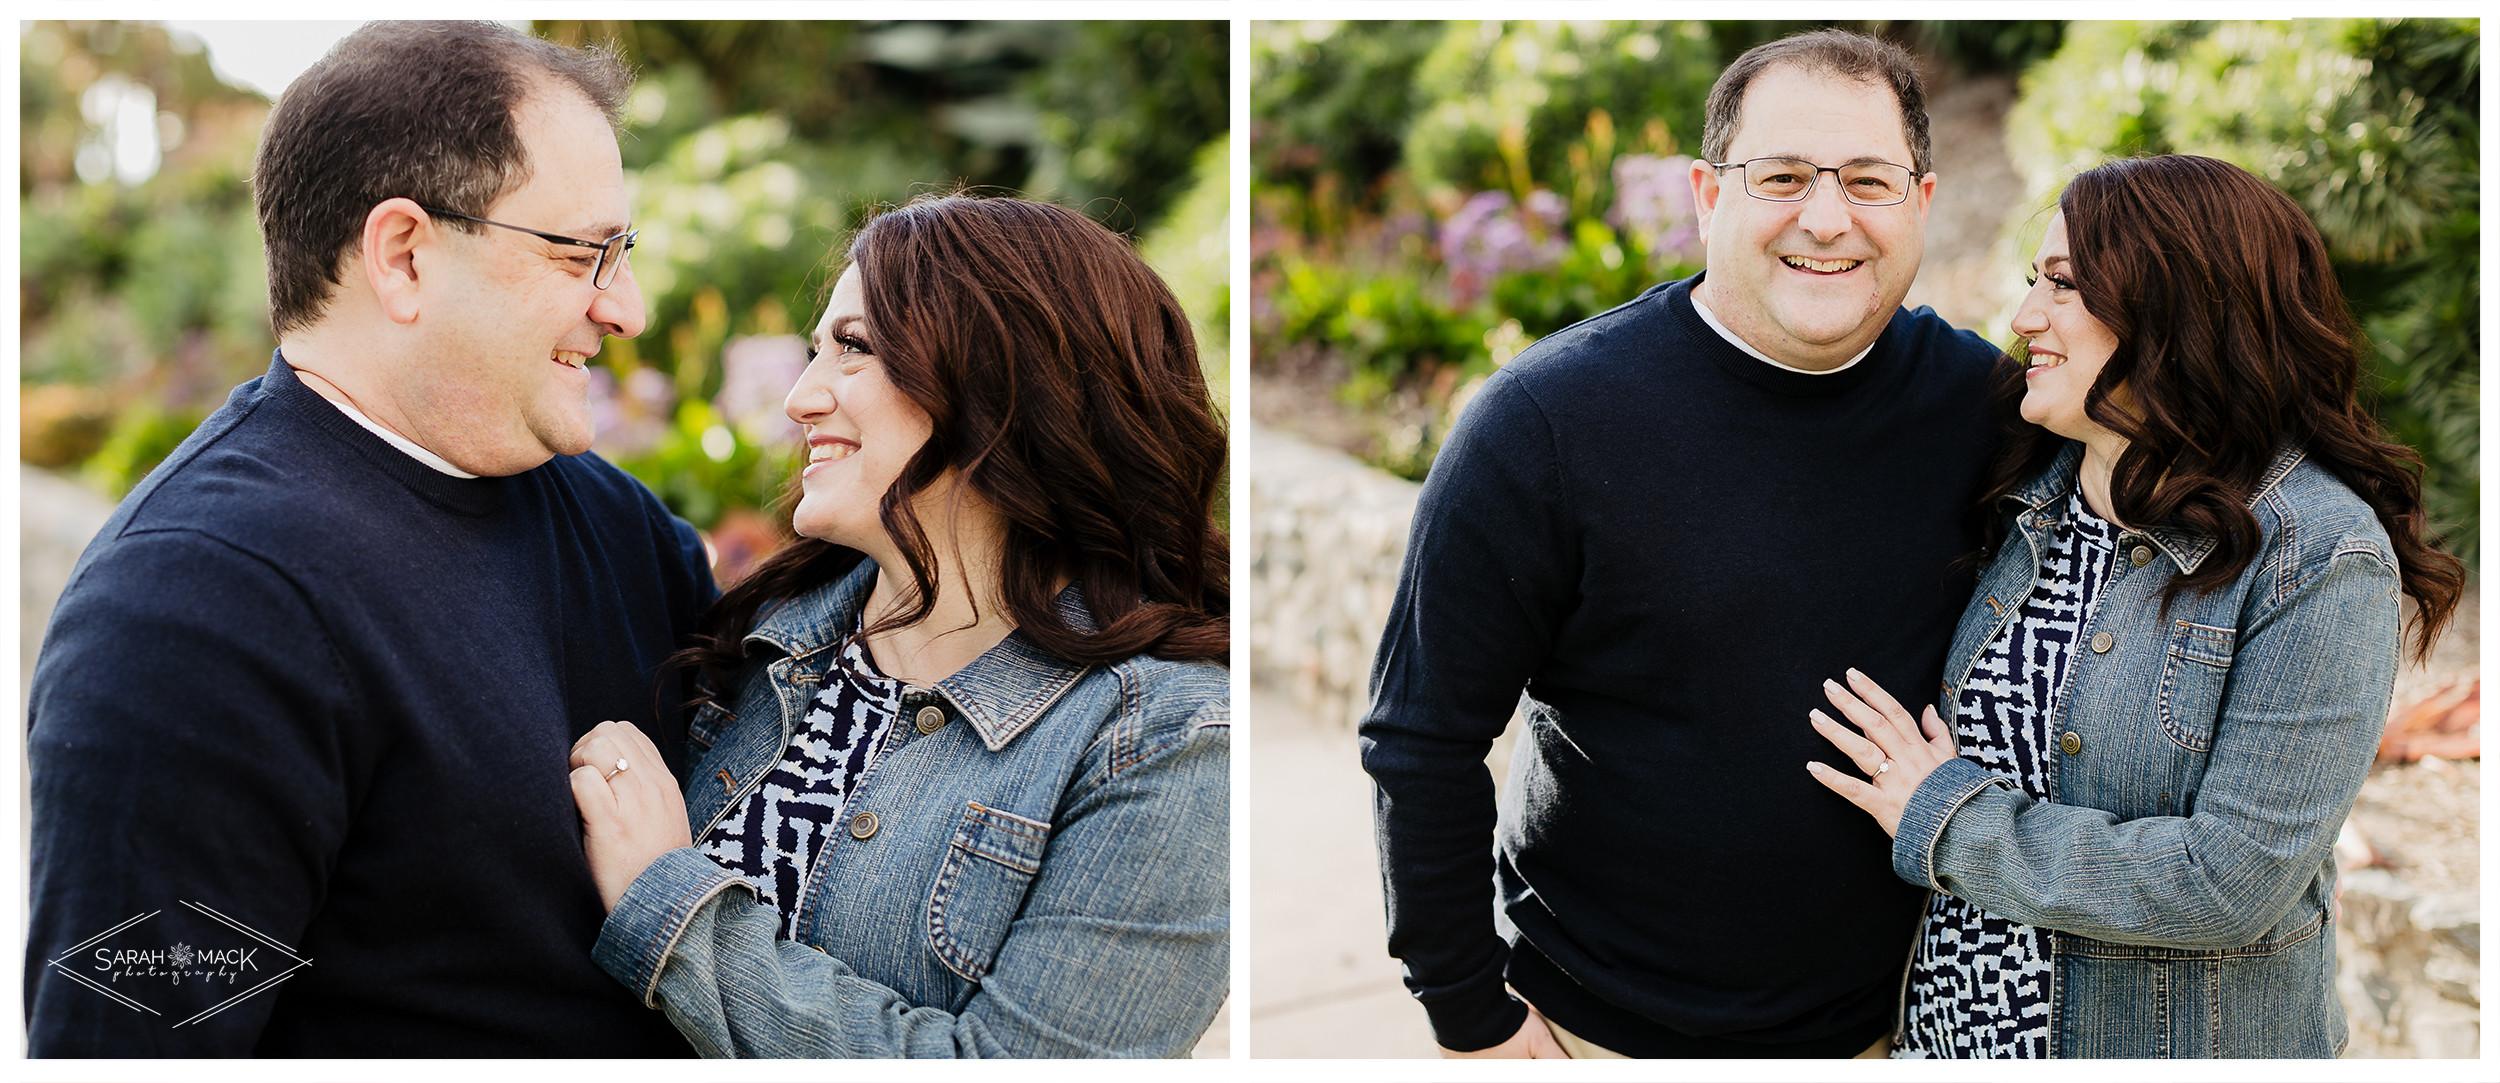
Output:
(1942, 793)
(654, 911)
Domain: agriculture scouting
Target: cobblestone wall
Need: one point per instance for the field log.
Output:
(1326, 536)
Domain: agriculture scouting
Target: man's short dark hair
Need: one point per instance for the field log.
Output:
(1822, 52)
(422, 110)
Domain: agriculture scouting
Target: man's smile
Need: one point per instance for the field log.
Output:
(1821, 266)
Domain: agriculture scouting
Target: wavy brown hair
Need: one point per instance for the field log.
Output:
(2233, 341)
(1062, 385)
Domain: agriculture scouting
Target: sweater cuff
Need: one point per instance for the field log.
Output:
(1478, 1018)
(654, 911)
(1942, 793)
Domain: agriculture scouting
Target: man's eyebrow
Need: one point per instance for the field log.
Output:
(1863, 159)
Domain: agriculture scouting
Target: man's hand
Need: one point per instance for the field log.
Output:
(1535, 1041)
(631, 809)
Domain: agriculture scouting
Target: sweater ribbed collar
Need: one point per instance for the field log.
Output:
(462, 496)
(1778, 381)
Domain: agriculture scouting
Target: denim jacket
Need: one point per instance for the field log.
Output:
(2203, 760)
(1035, 864)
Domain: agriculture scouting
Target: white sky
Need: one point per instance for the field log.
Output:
(266, 55)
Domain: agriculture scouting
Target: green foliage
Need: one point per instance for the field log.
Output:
(1334, 99)
(1598, 272)
(1372, 139)
(141, 438)
(751, 150)
(702, 466)
(1508, 100)
(1192, 250)
(1124, 108)
(2368, 124)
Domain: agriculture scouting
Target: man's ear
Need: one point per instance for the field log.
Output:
(1705, 196)
(396, 230)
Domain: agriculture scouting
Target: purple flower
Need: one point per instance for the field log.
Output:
(757, 373)
(1488, 238)
(633, 422)
(1654, 206)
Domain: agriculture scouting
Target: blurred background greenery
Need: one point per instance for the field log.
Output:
(750, 149)
(1429, 198)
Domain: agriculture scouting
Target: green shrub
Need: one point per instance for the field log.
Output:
(2370, 126)
(1509, 100)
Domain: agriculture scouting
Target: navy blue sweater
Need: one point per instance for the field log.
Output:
(310, 686)
(1668, 545)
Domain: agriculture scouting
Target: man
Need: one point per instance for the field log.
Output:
(301, 722)
(1667, 525)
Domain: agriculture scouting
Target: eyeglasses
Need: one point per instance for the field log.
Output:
(611, 251)
(1787, 180)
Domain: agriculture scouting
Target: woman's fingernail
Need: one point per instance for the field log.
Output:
(1856, 676)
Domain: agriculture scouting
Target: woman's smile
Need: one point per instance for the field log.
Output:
(825, 450)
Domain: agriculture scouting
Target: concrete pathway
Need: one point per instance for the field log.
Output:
(1321, 981)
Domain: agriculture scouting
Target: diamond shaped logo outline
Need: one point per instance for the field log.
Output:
(299, 962)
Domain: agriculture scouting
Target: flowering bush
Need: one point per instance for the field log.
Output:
(1488, 237)
(1654, 206)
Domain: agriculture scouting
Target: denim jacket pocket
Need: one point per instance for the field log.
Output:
(989, 864)
(2192, 676)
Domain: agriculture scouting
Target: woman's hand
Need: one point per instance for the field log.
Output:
(1894, 754)
(631, 809)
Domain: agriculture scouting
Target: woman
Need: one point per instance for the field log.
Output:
(959, 782)
(2171, 679)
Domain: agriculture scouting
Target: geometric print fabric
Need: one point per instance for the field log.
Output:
(787, 822)
(1979, 983)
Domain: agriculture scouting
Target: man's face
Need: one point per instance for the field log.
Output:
(1810, 283)
(503, 385)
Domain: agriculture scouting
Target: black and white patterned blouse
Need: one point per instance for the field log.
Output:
(773, 837)
(1979, 985)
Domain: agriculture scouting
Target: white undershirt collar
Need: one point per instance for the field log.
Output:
(396, 440)
(1715, 325)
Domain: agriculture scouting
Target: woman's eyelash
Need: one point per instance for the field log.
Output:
(844, 345)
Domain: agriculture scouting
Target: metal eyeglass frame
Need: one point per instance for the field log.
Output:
(1819, 170)
(601, 273)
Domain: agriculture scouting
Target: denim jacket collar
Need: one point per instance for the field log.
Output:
(1001, 693)
(2185, 546)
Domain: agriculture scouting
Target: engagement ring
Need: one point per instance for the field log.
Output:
(620, 767)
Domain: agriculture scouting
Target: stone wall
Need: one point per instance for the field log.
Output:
(1326, 535)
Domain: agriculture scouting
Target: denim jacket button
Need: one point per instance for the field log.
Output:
(2071, 743)
(2142, 555)
(930, 720)
(865, 824)
(2101, 643)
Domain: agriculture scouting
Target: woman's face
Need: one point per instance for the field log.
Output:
(860, 430)
(2068, 346)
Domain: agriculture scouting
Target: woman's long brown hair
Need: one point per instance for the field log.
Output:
(1061, 381)
(2233, 340)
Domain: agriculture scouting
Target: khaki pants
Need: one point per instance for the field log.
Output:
(1580, 1049)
